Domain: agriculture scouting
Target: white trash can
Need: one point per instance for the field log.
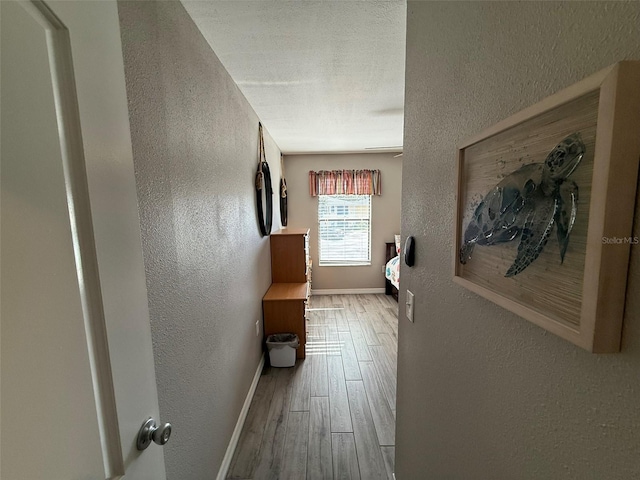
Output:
(282, 349)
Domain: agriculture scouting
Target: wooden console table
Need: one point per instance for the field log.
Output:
(284, 307)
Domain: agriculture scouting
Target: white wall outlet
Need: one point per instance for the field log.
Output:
(257, 328)
(410, 303)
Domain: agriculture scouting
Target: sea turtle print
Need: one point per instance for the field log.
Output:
(527, 204)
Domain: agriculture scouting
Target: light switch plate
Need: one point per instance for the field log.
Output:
(410, 303)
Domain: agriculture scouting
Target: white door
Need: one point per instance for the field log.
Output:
(77, 368)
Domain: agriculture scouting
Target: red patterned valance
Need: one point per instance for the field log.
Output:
(345, 182)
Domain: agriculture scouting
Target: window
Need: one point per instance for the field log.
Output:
(344, 229)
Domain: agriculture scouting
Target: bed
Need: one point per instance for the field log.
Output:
(392, 268)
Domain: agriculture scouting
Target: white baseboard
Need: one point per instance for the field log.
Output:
(347, 291)
(233, 443)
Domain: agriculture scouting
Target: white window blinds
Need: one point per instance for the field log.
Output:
(344, 229)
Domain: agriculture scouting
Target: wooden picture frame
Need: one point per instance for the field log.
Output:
(580, 299)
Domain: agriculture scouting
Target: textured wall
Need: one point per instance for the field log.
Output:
(385, 213)
(194, 144)
(484, 394)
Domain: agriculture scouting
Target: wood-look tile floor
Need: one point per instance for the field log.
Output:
(332, 416)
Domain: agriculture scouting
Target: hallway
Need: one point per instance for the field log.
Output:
(333, 415)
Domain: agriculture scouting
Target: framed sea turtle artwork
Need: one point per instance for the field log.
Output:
(545, 208)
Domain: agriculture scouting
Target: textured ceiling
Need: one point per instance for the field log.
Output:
(323, 76)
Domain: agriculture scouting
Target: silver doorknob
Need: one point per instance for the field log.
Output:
(150, 431)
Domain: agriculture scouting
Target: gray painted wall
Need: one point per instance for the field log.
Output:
(482, 393)
(385, 213)
(194, 143)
